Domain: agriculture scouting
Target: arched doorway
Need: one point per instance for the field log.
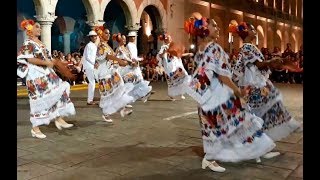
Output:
(260, 37)
(293, 42)
(70, 27)
(286, 38)
(278, 39)
(25, 10)
(270, 38)
(151, 27)
(116, 16)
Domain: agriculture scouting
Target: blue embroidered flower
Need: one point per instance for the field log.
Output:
(218, 133)
(198, 23)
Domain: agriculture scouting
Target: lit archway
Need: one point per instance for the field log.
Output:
(270, 38)
(293, 42)
(69, 28)
(278, 40)
(151, 27)
(260, 37)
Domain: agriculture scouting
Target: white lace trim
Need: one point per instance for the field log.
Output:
(252, 77)
(285, 129)
(66, 110)
(118, 99)
(235, 152)
(140, 90)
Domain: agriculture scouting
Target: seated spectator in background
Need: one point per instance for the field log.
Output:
(288, 51)
(61, 56)
(153, 62)
(276, 52)
(55, 54)
(300, 54)
(159, 71)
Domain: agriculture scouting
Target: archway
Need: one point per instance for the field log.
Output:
(151, 27)
(278, 40)
(116, 16)
(293, 42)
(270, 38)
(25, 10)
(70, 28)
(260, 37)
(286, 38)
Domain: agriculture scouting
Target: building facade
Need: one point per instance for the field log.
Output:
(65, 23)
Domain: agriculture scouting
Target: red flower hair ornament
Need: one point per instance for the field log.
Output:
(197, 25)
(99, 30)
(27, 24)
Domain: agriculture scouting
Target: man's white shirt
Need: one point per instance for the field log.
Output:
(134, 51)
(89, 54)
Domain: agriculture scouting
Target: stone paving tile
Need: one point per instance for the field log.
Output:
(108, 164)
(80, 173)
(294, 178)
(285, 160)
(21, 161)
(21, 152)
(149, 169)
(295, 148)
(298, 172)
(293, 138)
(47, 157)
(250, 171)
(31, 170)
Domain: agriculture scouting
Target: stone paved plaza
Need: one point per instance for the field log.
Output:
(160, 140)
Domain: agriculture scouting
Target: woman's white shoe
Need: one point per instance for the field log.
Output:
(60, 125)
(106, 118)
(212, 165)
(258, 160)
(124, 112)
(182, 97)
(39, 135)
(270, 155)
(145, 98)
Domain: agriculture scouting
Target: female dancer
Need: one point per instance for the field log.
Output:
(48, 94)
(131, 73)
(264, 99)
(229, 132)
(114, 92)
(176, 75)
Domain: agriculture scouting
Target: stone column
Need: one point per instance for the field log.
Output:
(134, 29)
(93, 24)
(46, 22)
(66, 42)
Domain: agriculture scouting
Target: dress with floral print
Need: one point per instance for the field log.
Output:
(113, 90)
(48, 94)
(229, 132)
(175, 72)
(264, 101)
(133, 75)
